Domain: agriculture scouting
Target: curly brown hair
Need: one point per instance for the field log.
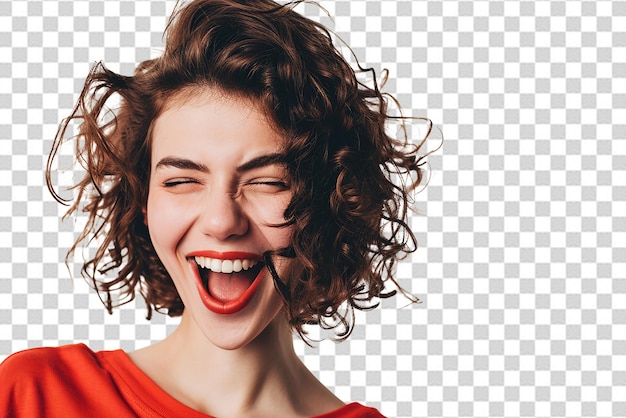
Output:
(348, 211)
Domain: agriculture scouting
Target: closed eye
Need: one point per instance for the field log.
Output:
(271, 184)
(179, 181)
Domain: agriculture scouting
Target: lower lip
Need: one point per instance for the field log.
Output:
(230, 307)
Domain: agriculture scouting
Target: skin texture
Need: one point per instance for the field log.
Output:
(242, 363)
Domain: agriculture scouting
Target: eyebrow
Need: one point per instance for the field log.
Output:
(182, 163)
(261, 161)
(186, 164)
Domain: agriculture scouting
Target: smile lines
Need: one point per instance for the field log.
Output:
(225, 266)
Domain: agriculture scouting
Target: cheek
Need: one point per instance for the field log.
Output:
(272, 213)
(282, 236)
(166, 222)
(266, 209)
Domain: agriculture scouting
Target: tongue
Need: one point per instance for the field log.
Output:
(226, 287)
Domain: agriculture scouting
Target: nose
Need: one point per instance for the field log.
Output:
(222, 216)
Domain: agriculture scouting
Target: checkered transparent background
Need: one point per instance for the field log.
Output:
(522, 259)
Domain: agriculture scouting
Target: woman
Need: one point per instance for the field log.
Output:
(244, 184)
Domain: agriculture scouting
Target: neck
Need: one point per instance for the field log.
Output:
(243, 381)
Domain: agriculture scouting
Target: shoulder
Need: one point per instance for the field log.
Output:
(353, 410)
(46, 362)
(37, 379)
(49, 355)
(36, 361)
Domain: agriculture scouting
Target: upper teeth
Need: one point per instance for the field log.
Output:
(224, 266)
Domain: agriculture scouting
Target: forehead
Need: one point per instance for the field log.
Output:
(194, 96)
(211, 121)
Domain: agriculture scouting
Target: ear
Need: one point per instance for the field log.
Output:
(144, 210)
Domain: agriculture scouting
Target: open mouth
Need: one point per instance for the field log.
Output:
(229, 279)
(226, 285)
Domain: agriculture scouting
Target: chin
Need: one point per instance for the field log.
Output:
(258, 323)
(243, 337)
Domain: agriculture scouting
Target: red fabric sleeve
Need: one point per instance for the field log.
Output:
(58, 382)
(353, 410)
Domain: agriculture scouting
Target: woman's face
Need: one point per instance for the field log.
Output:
(217, 185)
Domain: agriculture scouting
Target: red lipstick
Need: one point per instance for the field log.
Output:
(229, 255)
(209, 301)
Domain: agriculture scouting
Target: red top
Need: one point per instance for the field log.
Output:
(73, 381)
